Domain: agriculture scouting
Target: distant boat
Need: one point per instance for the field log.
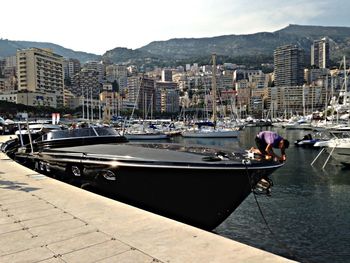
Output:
(338, 148)
(299, 124)
(306, 141)
(146, 136)
(210, 132)
(140, 132)
(204, 130)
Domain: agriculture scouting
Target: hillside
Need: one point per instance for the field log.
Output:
(253, 44)
(9, 48)
(251, 49)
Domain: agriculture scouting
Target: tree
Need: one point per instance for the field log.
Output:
(115, 86)
(68, 81)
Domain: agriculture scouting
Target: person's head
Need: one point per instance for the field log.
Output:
(283, 145)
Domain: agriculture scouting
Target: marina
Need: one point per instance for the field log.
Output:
(209, 142)
(308, 209)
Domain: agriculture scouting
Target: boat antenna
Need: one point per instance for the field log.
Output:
(345, 76)
(30, 137)
(93, 128)
(213, 82)
(20, 134)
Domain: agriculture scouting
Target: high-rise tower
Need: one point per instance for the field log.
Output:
(40, 71)
(289, 66)
(320, 53)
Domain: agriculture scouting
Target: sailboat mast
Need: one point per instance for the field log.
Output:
(304, 112)
(213, 82)
(83, 106)
(345, 76)
(92, 109)
(346, 93)
(326, 99)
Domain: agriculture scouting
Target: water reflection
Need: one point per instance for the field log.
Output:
(309, 210)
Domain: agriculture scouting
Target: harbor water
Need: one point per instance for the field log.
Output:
(308, 213)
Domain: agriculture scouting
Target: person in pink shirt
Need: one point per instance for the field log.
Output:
(266, 141)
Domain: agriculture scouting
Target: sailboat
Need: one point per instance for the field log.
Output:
(143, 130)
(342, 107)
(211, 130)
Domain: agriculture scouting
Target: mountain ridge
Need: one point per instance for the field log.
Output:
(9, 48)
(241, 48)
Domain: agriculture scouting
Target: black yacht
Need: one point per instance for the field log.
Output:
(197, 185)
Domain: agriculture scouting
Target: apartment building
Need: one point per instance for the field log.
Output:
(320, 53)
(240, 74)
(289, 66)
(41, 71)
(2, 85)
(146, 98)
(167, 75)
(131, 93)
(297, 99)
(71, 67)
(166, 97)
(30, 98)
(86, 83)
(118, 73)
(97, 66)
(314, 74)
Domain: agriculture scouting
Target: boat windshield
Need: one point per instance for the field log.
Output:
(83, 132)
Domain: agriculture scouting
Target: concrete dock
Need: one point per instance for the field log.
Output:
(45, 220)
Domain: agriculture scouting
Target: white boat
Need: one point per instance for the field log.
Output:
(210, 132)
(298, 126)
(140, 132)
(216, 131)
(34, 130)
(38, 127)
(146, 136)
(338, 148)
(301, 123)
(341, 128)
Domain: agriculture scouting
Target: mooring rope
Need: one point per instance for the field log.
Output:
(291, 253)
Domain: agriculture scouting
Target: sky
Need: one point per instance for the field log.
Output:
(98, 26)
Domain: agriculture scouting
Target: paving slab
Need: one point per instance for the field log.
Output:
(25, 216)
(79, 242)
(6, 219)
(129, 256)
(11, 227)
(98, 251)
(25, 240)
(31, 255)
(13, 241)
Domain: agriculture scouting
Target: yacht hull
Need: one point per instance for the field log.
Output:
(342, 155)
(201, 192)
(210, 134)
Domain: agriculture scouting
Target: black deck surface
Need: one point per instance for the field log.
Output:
(162, 153)
(151, 152)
